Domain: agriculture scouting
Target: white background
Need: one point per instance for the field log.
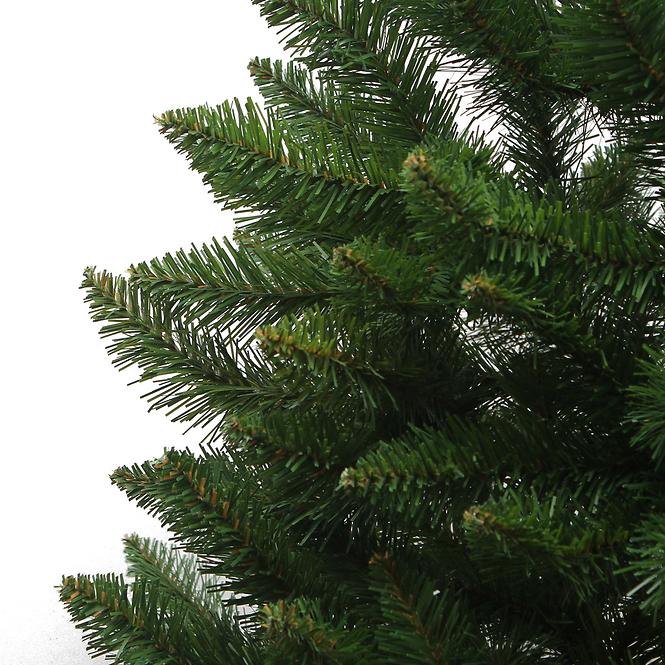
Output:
(85, 178)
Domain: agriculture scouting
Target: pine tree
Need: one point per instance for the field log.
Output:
(431, 367)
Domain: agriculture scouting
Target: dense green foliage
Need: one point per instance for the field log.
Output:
(430, 369)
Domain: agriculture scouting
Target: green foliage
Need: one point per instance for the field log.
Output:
(648, 409)
(648, 548)
(505, 50)
(255, 163)
(222, 286)
(430, 368)
(194, 374)
(510, 227)
(519, 536)
(163, 616)
(421, 623)
(614, 51)
(301, 634)
(385, 72)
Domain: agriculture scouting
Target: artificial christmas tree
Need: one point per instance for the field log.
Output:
(431, 369)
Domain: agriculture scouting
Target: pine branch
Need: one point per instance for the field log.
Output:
(614, 49)
(647, 408)
(386, 74)
(508, 227)
(290, 439)
(611, 180)
(375, 273)
(504, 50)
(215, 630)
(322, 184)
(300, 623)
(524, 536)
(202, 502)
(219, 513)
(296, 458)
(324, 348)
(234, 290)
(302, 100)
(174, 572)
(647, 548)
(512, 300)
(307, 102)
(220, 286)
(197, 377)
(346, 359)
(421, 623)
(134, 627)
(511, 41)
(426, 455)
(426, 478)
